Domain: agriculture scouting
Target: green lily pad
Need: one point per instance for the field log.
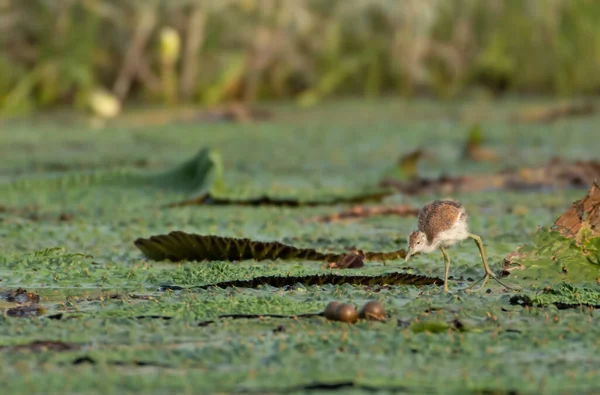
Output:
(196, 176)
(552, 258)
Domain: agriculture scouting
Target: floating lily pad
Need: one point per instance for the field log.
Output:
(196, 176)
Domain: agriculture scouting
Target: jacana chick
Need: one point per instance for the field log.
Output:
(441, 224)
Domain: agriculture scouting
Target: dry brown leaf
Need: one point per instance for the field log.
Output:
(352, 260)
(511, 261)
(583, 213)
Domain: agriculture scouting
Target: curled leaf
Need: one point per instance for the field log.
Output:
(388, 279)
(178, 246)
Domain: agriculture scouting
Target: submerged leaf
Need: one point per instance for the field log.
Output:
(179, 246)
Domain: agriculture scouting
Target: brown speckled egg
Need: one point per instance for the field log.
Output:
(346, 313)
(330, 310)
(372, 310)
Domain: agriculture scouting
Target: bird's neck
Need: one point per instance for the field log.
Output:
(429, 247)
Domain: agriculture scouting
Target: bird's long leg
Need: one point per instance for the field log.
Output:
(488, 272)
(447, 263)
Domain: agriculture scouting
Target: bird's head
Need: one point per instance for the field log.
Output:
(417, 241)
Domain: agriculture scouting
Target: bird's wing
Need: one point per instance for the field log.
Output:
(438, 216)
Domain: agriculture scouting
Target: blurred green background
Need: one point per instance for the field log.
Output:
(103, 54)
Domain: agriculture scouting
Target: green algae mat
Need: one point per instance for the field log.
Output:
(186, 258)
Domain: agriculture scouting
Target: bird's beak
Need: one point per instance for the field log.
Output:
(408, 255)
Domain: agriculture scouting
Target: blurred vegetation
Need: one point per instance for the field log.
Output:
(74, 52)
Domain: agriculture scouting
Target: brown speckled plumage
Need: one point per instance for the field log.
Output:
(438, 216)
